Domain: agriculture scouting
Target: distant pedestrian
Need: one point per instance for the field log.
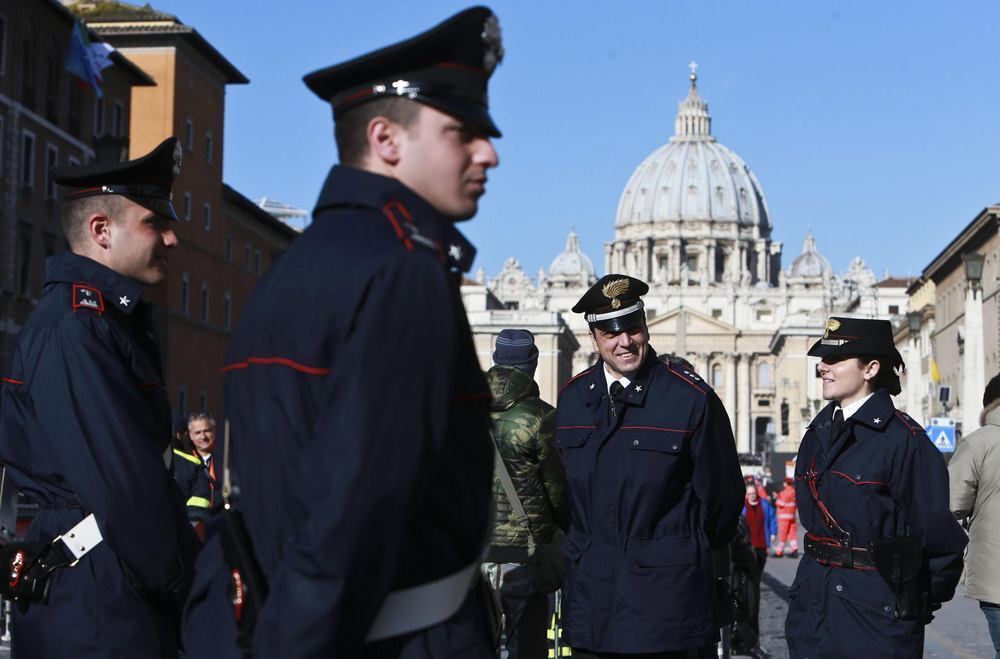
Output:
(975, 496)
(788, 529)
(759, 515)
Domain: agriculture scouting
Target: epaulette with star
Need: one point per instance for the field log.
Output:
(911, 425)
(679, 370)
(87, 297)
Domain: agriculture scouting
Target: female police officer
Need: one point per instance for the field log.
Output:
(882, 548)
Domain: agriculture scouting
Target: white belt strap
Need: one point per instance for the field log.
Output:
(412, 609)
(83, 537)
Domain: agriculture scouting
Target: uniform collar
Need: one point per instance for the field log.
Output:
(874, 412)
(853, 407)
(351, 187)
(120, 291)
(634, 393)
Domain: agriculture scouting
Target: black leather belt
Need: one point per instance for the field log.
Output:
(836, 555)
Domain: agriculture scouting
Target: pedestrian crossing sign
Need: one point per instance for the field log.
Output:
(942, 433)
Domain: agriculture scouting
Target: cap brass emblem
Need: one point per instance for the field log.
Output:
(613, 289)
(832, 325)
(494, 43)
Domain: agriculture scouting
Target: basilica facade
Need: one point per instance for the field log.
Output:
(693, 222)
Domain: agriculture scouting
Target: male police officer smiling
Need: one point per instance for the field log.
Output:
(359, 414)
(86, 422)
(654, 484)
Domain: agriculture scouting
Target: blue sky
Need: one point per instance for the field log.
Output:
(877, 124)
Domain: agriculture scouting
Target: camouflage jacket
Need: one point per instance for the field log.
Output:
(523, 426)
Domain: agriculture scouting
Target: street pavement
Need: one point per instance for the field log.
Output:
(958, 630)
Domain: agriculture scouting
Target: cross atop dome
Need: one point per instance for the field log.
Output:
(694, 72)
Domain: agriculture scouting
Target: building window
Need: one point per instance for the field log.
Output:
(187, 207)
(209, 146)
(716, 313)
(206, 217)
(256, 261)
(28, 159)
(763, 375)
(189, 134)
(893, 309)
(3, 140)
(716, 376)
(28, 72)
(73, 161)
(118, 120)
(229, 247)
(203, 401)
(227, 309)
(23, 258)
(204, 301)
(52, 66)
(51, 160)
(3, 45)
(246, 254)
(763, 315)
(182, 400)
(185, 293)
(98, 116)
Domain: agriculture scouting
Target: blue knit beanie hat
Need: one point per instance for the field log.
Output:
(516, 347)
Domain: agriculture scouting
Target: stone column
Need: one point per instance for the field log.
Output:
(609, 265)
(675, 259)
(644, 270)
(729, 385)
(973, 360)
(619, 256)
(743, 405)
(761, 250)
(705, 364)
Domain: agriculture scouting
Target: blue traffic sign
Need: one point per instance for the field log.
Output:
(942, 433)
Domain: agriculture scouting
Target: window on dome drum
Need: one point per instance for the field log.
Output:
(692, 263)
(764, 314)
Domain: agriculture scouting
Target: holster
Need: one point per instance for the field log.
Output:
(28, 570)
(899, 560)
(248, 585)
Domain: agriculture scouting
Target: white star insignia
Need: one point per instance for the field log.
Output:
(455, 252)
(591, 387)
(877, 420)
(638, 387)
(124, 301)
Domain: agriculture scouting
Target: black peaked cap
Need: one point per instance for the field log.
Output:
(851, 337)
(146, 181)
(613, 304)
(447, 67)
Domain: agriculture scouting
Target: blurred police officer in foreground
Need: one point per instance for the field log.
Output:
(358, 411)
(85, 428)
(882, 548)
(654, 484)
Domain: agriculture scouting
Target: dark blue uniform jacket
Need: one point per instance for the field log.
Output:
(84, 427)
(652, 490)
(194, 483)
(880, 477)
(359, 419)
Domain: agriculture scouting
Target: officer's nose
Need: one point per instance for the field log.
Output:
(486, 154)
(169, 238)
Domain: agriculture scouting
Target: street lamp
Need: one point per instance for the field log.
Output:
(914, 320)
(973, 268)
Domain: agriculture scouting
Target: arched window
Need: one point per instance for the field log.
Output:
(763, 374)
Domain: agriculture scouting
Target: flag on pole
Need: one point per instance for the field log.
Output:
(85, 60)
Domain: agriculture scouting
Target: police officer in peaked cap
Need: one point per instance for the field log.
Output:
(654, 485)
(883, 551)
(85, 429)
(357, 407)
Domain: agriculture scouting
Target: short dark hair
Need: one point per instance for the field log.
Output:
(352, 126)
(887, 377)
(74, 213)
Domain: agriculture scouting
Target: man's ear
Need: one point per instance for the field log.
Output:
(98, 230)
(384, 140)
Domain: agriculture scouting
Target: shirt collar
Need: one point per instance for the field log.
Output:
(118, 290)
(348, 186)
(853, 407)
(625, 382)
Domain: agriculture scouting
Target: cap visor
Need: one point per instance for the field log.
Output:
(622, 323)
(465, 110)
(162, 207)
